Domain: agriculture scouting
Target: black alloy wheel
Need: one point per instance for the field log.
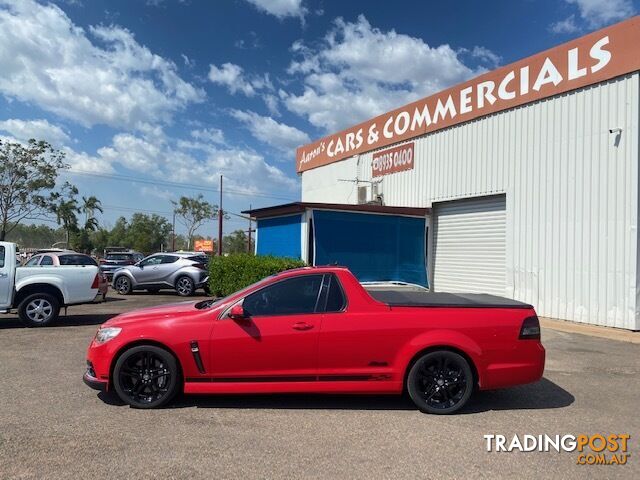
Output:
(440, 382)
(146, 376)
(122, 285)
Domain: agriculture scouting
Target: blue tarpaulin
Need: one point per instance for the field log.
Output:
(374, 247)
(280, 236)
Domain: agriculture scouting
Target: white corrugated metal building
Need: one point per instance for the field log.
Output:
(535, 197)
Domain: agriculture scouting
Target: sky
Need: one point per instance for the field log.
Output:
(154, 99)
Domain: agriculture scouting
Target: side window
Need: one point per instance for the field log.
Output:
(168, 259)
(335, 297)
(33, 261)
(46, 260)
(2, 254)
(76, 260)
(152, 261)
(292, 296)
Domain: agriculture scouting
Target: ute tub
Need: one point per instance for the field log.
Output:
(412, 296)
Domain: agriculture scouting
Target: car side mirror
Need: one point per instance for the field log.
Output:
(237, 312)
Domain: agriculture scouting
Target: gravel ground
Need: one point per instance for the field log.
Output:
(53, 426)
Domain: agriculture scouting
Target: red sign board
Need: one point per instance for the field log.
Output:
(591, 59)
(203, 245)
(393, 160)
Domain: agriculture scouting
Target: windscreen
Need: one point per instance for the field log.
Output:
(119, 257)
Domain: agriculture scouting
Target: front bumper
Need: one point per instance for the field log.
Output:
(94, 383)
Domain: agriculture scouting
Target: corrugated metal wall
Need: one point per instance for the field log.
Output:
(571, 190)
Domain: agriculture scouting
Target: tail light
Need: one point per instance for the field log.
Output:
(530, 329)
(101, 261)
(96, 281)
(201, 266)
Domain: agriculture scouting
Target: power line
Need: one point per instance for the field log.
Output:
(159, 212)
(117, 176)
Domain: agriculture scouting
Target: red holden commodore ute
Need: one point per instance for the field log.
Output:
(318, 330)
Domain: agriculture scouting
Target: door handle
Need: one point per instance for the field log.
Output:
(4, 275)
(302, 326)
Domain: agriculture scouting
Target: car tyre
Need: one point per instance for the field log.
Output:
(146, 376)
(122, 285)
(38, 310)
(440, 382)
(185, 286)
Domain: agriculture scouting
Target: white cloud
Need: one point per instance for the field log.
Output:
(271, 101)
(244, 170)
(83, 162)
(566, 26)
(360, 71)
(282, 137)
(598, 13)
(233, 77)
(161, 193)
(487, 56)
(281, 8)
(24, 130)
(213, 135)
(101, 77)
(188, 62)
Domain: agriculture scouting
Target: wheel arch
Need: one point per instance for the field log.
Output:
(138, 343)
(126, 273)
(32, 288)
(434, 348)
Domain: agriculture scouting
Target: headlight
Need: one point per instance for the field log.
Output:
(107, 333)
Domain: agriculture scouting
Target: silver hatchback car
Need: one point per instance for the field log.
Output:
(183, 271)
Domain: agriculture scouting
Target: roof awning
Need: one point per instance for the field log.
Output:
(300, 207)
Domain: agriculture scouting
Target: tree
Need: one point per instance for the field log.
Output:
(100, 239)
(236, 242)
(192, 213)
(66, 208)
(89, 207)
(147, 233)
(28, 174)
(118, 235)
(35, 236)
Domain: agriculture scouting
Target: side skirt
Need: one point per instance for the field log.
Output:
(301, 386)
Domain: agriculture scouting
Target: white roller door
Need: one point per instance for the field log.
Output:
(470, 245)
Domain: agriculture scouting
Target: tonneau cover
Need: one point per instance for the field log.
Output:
(408, 296)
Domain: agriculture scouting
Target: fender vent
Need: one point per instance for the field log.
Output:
(195, 351)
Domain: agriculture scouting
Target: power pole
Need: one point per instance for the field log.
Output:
(220, 214)
(173, 235)
(250, 230)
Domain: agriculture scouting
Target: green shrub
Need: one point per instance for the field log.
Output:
(234, 272)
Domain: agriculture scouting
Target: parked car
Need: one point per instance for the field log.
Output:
(317, 330)
(183, 271)
(39, 293)
(112, 261)
(65, 258)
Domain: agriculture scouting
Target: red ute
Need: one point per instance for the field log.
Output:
(319, 330)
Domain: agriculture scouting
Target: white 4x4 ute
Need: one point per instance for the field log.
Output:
(38, 293)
